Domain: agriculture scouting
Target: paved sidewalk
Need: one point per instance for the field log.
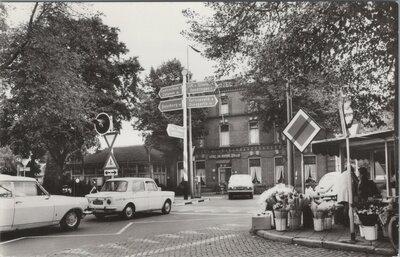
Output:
(338, 238)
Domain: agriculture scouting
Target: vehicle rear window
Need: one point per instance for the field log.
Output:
(5, 189)
(115, 186)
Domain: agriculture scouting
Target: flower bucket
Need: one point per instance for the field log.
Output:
(361, 230)
(368, 219)
(318, 214)
(280, 214)
(318, 224)
(385, 230)
(294, 219)
(370, 232)
(280, 224)
(328, 223)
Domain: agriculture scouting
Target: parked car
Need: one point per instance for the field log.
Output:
(240, 184)
(126, 196)
(24, 203)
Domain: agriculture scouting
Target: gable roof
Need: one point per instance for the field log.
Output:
(133, 154)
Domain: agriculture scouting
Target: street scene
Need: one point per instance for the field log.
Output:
(199, 129)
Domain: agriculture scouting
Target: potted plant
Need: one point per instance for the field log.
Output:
(368, 214)
(281, 209)
(296, 204)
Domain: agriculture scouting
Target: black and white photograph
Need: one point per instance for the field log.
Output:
(199, 129)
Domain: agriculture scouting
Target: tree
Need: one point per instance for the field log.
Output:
(151, 120)
(315, 47)
(61, 71)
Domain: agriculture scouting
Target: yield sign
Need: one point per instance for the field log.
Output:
(175, 131)
(301, 130)
(110, 138)
(111, 163)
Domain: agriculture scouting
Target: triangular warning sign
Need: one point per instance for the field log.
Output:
(110, 139)
(111, 162)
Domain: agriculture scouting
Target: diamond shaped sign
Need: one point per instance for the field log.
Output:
(301, 130)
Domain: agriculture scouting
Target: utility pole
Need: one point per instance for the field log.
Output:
(185, 136)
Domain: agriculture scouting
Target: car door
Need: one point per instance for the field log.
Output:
(140, 195)
(33, 207)
(153, 194)
(6, 205)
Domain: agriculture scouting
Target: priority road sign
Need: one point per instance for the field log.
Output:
(175, 131)
(113, 172)
(170, 91)
(301, 130)
(201, 101)
(170, 105)
(201, 87)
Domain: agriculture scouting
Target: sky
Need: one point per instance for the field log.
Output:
(151, 31)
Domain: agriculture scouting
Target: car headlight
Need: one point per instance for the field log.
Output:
(108, 201)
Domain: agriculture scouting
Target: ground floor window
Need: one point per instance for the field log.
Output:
(160, 174)
(224, 173)
(279, 170)
(255, 170)
(310, 169)
(201, 172)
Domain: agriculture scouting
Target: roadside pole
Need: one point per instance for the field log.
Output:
(289, 146)
(349, 182)
(185, 136)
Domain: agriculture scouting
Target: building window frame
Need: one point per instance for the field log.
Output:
(224, 139)
(224, 105)
(310, 167)
(256, 174)
(203, 175)
(279, 167)
(254, 133)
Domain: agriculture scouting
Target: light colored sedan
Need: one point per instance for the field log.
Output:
(240, 184)
(125, 196)
(24, 203)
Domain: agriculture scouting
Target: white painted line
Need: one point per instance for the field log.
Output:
(13, 240)
(211, 214)
(124, 228)
(177, 247)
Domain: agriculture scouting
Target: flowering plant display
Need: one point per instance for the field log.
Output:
(369, 211)
(277, 194)
(322, 208)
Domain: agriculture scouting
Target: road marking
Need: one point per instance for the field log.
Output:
(13, 240)
(173, 248)
(124, 228)
(211, 214)
(169, 236)
(145, 240)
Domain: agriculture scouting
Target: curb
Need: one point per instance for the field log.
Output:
(193, 201)
(324, 244)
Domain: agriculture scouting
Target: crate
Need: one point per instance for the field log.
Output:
(262, 221)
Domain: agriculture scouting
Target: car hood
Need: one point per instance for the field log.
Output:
(104, 194)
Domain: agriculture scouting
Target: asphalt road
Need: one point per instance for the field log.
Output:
(219, 227)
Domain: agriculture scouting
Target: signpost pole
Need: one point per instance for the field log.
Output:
(289, 147)
(184, 96)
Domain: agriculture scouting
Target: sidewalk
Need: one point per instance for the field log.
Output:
(337, 238)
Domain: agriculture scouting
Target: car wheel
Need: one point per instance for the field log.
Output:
(128, 212)
(167, 207)
(71, 220)
(99, 216)
(251, 196)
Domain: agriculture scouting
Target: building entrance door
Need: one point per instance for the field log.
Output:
(224, 174)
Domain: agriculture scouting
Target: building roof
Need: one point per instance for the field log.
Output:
(132, 154)
(360, 144)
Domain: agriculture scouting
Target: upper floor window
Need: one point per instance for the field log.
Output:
(277, 133)
(252, 107)
(224, 105)
(224, 135)
(254, 133)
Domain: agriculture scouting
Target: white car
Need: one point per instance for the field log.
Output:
(240, 184)
(24, 203)
(126, 196)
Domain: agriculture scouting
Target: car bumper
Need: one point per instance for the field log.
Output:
(102, 210)
(240, 191)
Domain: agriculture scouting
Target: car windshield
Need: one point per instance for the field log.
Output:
(115, 186)
(5, 189)
(240, 179)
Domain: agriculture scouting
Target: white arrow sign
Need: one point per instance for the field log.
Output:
(175, 131)
(113, 172)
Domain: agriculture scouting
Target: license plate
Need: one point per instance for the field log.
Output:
(98, 202)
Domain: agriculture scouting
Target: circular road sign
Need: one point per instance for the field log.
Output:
(102, 123)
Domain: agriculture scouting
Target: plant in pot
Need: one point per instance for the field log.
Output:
(368, 214)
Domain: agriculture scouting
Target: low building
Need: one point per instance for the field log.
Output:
(133, 161)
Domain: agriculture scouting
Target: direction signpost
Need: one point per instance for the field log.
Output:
(185, 103)
(175, 131)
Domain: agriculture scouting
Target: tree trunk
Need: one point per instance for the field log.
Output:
(52, 176)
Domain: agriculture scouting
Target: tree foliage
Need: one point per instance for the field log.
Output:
(61, 70)
(315, 47)
(151, 120)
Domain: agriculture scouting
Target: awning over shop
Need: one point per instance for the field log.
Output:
(360, 145)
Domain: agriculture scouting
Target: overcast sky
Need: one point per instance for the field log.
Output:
(150, 31)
